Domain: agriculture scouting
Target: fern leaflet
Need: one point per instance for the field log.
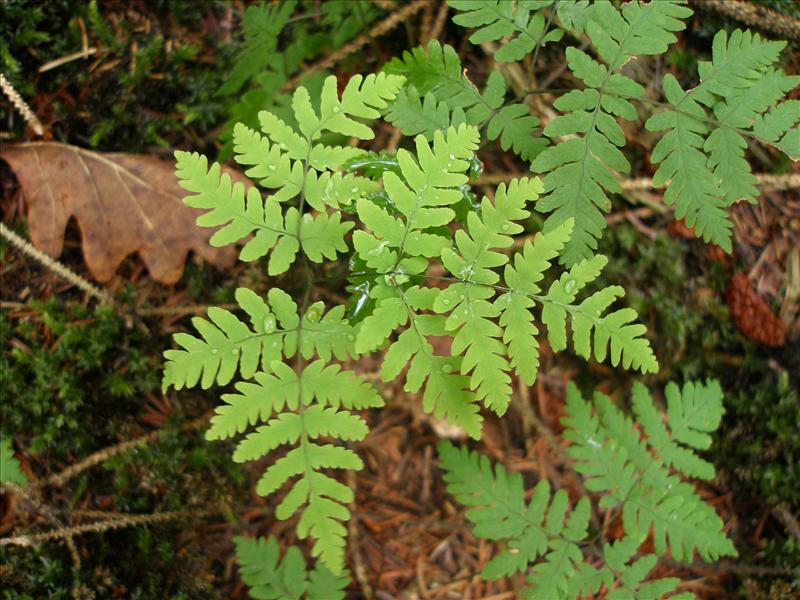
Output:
(438, 95)
(704, 162)
(582, 170)
(273, 578)
(617, 462)
(540, 539)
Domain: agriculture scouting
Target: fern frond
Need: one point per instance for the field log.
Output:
(273, 578)
(290, 164)
(496, 506)
(227, 343)
(625, 470)
(617, 462)
(468, 303)
(703, 162)
(261, 24)
(421, 197)
(497, 19)
(445, 394)
(299, 407)
(583, 170)
(439, 95)
(779, 127)
(414, 114)
(621, 567)
(513, 125)
(693, 413)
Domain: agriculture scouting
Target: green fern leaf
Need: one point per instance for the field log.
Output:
(779, 127)
(291, 165)
(496, 506)
(705, 164)
(271, 578)
(468, 303)
(262, 24)
(298, 408)
(415, 115)
(616, 462)
(439, 95)
(437, 70)
(693, 413)
(513, 124)
(496, 19)
(227, 343)
(445, 395)
(583, 170)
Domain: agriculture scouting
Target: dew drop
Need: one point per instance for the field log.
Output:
(446, 301)
(271, 167)
(569, 286)
(214, 351)
(269, 325)
(452, 157)
(354, 190)
(504, 227)
(446, 368)
(336, 109)
(235, 351)
(351, 337)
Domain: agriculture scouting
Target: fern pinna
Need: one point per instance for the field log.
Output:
(474, 286)
(701, 156)
(641, 476)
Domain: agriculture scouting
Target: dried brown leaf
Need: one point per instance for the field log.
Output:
(123, 203)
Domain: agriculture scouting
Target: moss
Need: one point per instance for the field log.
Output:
(69, 376)
(760, 444)
(151, 81)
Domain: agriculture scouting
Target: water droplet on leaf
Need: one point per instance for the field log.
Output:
(569, 286)
(269, 325)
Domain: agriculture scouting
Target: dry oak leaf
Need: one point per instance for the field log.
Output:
(123, 203)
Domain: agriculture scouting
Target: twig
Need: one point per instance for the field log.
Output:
(787, 519)
(86, 53)
(103, 455)
(752, 14)
(441, 19)
(22, 106)
(167, 311)
(122, 522)
(101, 295)
(766, 181)
(384, 26)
